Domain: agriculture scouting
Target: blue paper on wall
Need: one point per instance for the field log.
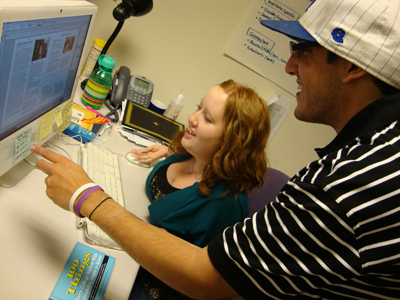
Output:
(85, 275)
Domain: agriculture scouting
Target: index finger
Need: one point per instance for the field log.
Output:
(46, 153)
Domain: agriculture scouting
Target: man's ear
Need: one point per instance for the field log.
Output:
(352, 72)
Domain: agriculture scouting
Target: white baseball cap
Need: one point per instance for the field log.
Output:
(364, 32)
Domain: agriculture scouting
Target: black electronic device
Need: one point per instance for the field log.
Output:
(135, 88)
(120, 85)
(147, 123)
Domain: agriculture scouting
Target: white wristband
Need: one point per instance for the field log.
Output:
(76, 194)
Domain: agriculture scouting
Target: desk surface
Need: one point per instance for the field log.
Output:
(37, 236)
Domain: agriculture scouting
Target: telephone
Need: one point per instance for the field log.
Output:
(135, 88)
(120, 85)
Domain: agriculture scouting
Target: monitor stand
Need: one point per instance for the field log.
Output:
(18, 172)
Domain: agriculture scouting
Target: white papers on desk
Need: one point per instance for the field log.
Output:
(138, 140)
(279, 107)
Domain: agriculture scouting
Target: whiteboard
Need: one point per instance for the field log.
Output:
(264, 51)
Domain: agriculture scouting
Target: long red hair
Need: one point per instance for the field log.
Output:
(241, 161)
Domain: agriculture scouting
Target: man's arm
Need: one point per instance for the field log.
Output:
(178, 263)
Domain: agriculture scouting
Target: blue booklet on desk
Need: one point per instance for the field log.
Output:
(85, 123)
(85, 275)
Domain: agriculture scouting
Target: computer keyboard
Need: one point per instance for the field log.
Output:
(103, 168)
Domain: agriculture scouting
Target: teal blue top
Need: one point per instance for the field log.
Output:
(191, 216)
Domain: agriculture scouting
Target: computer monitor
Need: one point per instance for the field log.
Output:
(42, 46)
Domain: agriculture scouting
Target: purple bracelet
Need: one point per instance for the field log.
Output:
(82, 199)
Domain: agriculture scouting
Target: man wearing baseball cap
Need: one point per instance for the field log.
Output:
(334, 231)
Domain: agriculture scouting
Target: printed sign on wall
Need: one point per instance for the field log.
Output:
(263, 50)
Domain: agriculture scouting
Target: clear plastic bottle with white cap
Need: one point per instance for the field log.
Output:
(92, 58)
(175, 106)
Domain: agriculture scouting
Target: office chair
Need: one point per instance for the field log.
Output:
(274, 181)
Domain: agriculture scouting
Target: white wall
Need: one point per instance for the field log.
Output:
(181, 44)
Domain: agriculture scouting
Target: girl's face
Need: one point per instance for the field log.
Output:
(203, 137)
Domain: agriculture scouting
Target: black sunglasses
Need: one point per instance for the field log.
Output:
(296, 48)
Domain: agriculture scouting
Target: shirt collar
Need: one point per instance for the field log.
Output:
(379, 113)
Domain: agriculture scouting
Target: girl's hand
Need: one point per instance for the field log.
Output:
(151, 153)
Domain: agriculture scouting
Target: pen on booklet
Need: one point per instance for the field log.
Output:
(104, 129)
(119, 120)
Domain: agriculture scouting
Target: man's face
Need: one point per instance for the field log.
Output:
(319, 99)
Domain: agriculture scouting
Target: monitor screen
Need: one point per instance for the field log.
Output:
(42, 46)
(38, 64)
